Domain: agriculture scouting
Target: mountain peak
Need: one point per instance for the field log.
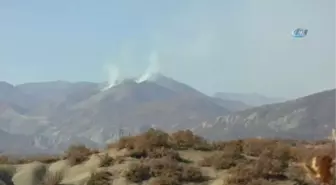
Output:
(4, 84)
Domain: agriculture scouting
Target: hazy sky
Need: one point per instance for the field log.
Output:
(212, 45)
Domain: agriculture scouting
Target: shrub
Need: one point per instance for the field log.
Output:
(164, 167)
(268, 167)
(185, 139)
(191, 174)
(241, 175)
(300, 154)
(43, 159)
(137, 172)
(155, 153)
(106, 161)
(297, 174)
(5, 160)
(169, 169)
(281, 152)
(52, 179)
(152, 144)
(152, 139)
(148, 140)
(119, 159)
(222, 160)
(77, 154)
(235, 146)
(259, 182)
(100, 178)
(255, 146)
(321, 142)
(124, 142)
(165, 181)
(259, 171)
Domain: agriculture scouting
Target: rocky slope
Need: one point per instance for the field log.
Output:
(252, 99)
(56, 114)
(309, 117)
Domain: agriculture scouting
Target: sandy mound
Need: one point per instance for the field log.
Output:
(30, 174)
(153, 160)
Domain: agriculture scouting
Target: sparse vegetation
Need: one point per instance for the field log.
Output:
(100, 178)
(185, 139)
(177, 172)
(156, 156)
(5, 160)
(180, 140)
(47, 159)
(235, 146)
(137, 172)
(223, 160)
(77, 154)
(165, 170)
(165, 181)
(106, 161)
(52, 179)
(254, 146)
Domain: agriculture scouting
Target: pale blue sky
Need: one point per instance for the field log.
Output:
(212, 45)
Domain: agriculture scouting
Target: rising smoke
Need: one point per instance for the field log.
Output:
(152, 69)
(113, 76)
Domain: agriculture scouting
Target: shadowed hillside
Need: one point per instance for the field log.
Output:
(309, 117)
(251, 99)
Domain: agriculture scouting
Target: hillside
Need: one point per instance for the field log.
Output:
(178, 87)
(63, 112)
(131, 105)
(309, 117)
(251, 99)
(180, 158)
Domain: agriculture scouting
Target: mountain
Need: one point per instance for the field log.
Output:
(251, 99)
(231, 105)
(12, 96)
(309, 117)
(57, 94)
(56, 114)
(132, 105)
(15, 144)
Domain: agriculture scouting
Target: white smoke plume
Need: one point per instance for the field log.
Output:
(152, 69)
(113, 76)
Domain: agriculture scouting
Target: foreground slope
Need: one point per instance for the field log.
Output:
(309, 117)
(180, 158)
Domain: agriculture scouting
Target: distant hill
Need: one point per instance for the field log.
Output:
(132, 105)
(231, 105)
(10, 95)
(250, 99)
(309, 117)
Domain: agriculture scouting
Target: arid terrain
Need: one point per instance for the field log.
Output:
(158, 158)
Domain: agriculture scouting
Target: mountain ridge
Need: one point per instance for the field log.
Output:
(251, 99)
(64, 111)
(308, 117)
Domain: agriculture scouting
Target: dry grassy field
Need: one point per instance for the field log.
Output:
(158, 158)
